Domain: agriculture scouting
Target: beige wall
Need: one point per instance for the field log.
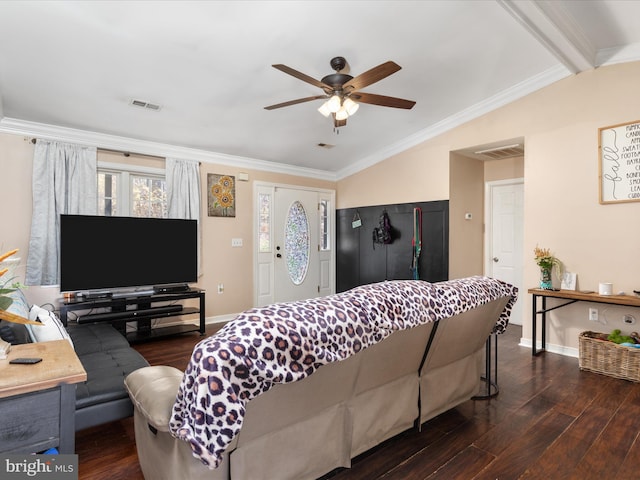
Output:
(466, 188)
(232, 267)
(420, 174)
(562, 212)
(495, 170)
(16, 167)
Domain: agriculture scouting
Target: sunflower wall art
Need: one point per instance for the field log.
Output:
(222, 195)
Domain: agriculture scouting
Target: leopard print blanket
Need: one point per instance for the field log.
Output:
(286, 342)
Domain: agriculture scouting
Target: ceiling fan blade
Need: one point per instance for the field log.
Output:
(301, 76)
(294, 102)
(382, 100)
(372, 76)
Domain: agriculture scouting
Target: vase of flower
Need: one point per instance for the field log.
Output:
(545, 260)
(546, 283)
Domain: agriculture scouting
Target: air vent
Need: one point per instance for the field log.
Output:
(143, 104)
(326, 145)
(500, 153)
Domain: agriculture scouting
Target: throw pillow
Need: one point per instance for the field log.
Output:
(51, 328)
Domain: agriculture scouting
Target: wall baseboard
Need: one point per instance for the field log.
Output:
(552, 348)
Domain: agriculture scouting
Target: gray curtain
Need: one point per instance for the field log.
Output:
(64, 181)
(183, 194)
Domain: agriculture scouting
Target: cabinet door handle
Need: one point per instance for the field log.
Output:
(496, 259)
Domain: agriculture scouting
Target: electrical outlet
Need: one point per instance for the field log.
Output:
(593, 314)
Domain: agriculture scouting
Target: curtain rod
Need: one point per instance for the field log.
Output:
(126, 154)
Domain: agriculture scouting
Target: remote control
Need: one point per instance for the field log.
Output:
(25, 361)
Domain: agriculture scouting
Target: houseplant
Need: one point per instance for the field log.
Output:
(8, 286)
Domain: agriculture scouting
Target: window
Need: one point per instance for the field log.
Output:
(324, 225)
(148, 197)
(296, 243)
(107, 193)
(264, 219)
(128, 191)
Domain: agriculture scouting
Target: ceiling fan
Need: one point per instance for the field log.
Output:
(342, 92)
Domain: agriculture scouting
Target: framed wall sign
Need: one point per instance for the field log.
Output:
(619, 163)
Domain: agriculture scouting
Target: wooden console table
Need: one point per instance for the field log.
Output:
(38, 402)
(570, 296)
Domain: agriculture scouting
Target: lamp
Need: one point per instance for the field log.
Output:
(334, 103)
(350, 106)
(342, 114)
(324, 109)
(343, 108)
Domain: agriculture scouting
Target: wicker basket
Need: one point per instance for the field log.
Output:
(608, 358)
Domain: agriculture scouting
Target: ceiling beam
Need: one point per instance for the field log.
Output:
(556, 29)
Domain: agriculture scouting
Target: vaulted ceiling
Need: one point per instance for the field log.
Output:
(70, 68)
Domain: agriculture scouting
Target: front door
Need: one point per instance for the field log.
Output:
(295, 254)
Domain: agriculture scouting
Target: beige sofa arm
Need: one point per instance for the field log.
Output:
(153, 392)
(162, 457)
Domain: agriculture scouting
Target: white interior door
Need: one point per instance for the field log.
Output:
(504, 237)
(295, 244)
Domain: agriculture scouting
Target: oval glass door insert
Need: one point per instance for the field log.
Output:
(296, 242)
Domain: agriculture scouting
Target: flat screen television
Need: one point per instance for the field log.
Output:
(99, 253)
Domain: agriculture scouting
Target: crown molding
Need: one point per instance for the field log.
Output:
(556, 30)
(144, 147)
(622, 54)
(505, 97)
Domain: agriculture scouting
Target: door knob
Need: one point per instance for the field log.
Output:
(496, 259)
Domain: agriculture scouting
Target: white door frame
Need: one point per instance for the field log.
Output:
(259, 266)
(488, 216)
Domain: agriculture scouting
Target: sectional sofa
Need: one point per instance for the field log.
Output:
(296, 390)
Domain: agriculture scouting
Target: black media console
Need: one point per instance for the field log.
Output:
(140, 309)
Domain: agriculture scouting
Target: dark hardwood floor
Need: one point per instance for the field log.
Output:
(550, 421)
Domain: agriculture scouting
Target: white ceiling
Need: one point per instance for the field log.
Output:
(78, 65)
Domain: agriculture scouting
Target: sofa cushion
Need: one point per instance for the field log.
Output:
(106, 371)
(95, 337)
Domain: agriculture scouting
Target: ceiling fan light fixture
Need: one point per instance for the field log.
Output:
(350, 106)
(337, 88)
(324, 109)
(334, 103)
(342, 114)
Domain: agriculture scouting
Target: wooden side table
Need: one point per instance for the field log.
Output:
(571, 296)
(38, 402)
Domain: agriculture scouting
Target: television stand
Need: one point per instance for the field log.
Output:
(141, 309)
